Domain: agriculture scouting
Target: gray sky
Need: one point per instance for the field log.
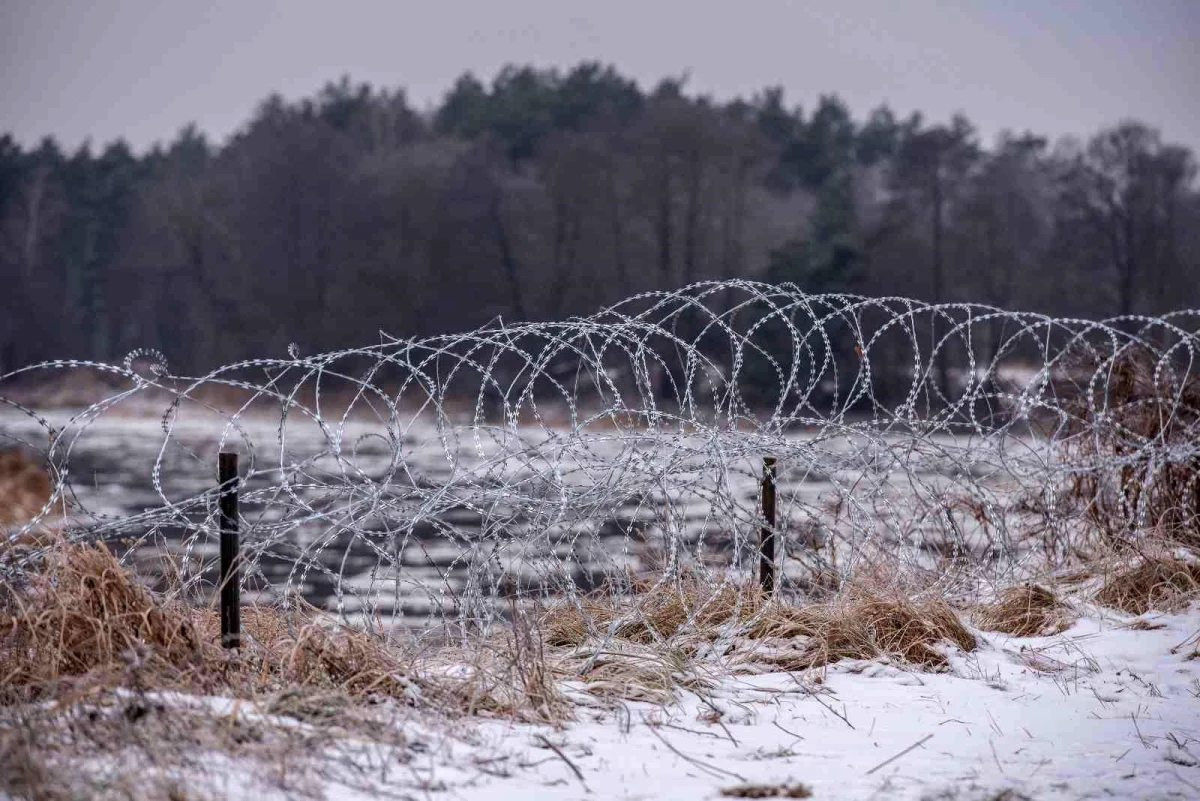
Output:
(144, 68)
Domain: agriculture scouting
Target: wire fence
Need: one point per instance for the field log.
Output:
(455, 477)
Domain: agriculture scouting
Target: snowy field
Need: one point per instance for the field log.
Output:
(1100, 711)
(1104, 710)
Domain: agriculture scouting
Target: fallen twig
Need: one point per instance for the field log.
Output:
(721, 723)
(574, 769)
(890, 760)
(775, 723)
(713, 769)
(813, 694)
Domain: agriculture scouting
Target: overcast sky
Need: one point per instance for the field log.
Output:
(141, 69)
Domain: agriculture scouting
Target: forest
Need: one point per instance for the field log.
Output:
(545, 194)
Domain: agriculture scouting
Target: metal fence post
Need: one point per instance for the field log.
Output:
(231, 570)
(766, 537)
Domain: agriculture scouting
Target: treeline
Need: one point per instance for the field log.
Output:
(548, 194)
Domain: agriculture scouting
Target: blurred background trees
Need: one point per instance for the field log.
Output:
(545, 194)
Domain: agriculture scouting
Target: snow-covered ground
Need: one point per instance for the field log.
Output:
(1103, 710)
(1099, 711)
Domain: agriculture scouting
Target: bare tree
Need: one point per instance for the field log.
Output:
(1125, 190)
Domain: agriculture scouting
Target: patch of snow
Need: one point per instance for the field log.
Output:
(1102, 710)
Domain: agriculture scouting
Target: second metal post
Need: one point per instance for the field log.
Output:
(766, 538)
(231, 570)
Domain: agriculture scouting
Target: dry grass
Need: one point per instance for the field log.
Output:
(24, 487)
(772, 634)
(866, 626)
(83, 621)
(84, 624)
(1029, 610)
(84, 634)
(1155, 581)
(509, 675)
(1145, 408)
(652, 612)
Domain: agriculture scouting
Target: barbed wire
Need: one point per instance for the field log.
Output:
(451, 477)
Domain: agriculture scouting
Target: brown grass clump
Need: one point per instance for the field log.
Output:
(865, 626)
(654, 612)
(82, 631)
(1029, 610)
(1141, 406)
(84, 622)
(509, 675)
(1162, 582)
(24, 487)
(85, 616)
(858, 626)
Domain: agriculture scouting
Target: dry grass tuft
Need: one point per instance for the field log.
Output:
(1029, 610)
(83, 632)
(1162, 582)
(634, 672)
(763, 632)
(83, 623)
(653, 612)
(510, 675)
(84, 616)
(1144, 407)
(25, 488)
(866, 626)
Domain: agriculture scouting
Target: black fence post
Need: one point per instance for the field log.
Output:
(766, 537)
(231, 570)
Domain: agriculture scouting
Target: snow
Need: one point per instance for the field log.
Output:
(1099, 711)
(1103, 710)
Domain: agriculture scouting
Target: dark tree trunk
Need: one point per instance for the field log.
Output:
(508, 260)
